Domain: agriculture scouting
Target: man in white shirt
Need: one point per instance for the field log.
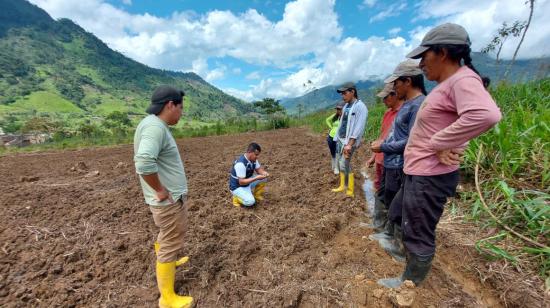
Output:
(246, 187)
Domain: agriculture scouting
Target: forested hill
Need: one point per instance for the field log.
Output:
(49, 66)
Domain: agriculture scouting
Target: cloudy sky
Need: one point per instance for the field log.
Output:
(254, 49)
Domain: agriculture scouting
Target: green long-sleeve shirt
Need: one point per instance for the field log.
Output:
(156, 151)
(333, 126)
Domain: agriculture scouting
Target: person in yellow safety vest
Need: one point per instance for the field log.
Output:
(333, 121)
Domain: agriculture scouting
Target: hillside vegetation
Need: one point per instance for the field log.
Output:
(49, 66)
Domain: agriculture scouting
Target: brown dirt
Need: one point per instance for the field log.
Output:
(75, 232)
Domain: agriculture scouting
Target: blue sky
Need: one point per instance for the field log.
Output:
(254, 49)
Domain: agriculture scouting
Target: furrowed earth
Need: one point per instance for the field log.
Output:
(75, 232)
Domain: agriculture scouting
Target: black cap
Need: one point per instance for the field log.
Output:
(161, 96)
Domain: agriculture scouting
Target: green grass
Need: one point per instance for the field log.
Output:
(109, 105)
(43, 101)
(514, 176)
(92, 132)
(93, 75)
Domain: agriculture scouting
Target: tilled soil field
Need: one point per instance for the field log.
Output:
(75, 232)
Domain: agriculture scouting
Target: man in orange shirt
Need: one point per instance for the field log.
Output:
(393, 103)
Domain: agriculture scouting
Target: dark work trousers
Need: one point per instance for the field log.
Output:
(423, 200)
(331, 146)
(393, 182)
(381, 188)
(380, 214)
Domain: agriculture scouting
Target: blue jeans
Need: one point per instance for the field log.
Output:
(343, 162)
(245, 193)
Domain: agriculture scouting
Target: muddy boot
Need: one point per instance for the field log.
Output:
(416, 270)
(387, 233)
(342, 186)
(380, 216)
(394, 246)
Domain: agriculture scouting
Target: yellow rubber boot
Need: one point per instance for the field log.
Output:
(342, 186)
(179, 262)
(350, 190)
(166, 275)
(237, 201)
(259, 192)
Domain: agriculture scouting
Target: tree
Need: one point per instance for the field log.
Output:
(531, 9)
(10, 124)
(300, 110)
(269, 106)
(117, 119)
(502, 34)
(40, 124)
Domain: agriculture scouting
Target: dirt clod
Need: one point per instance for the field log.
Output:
(402, 297)
(28, 179)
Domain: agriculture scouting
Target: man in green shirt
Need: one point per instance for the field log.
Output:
(164, 186)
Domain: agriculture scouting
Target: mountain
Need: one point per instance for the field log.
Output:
(49, 66)
(327, 97)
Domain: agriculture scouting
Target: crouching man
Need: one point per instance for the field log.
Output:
(246, 187)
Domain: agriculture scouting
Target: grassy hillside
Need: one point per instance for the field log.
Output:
(55, 66)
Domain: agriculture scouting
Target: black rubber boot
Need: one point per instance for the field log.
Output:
(394, 246)
(416, 270)
(387, 233)
(380, 215)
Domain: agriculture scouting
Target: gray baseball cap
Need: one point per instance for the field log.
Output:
(387, 90)
(406, 68)
(451, 34)
(346, 86)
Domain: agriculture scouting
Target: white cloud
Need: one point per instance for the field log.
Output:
(244, 95)
(394, 31)
(482, 19)
(217, 73)
(367, 3)
(127, 2)
(253, 75)
(200, 67)
(306, 27)
(236, 71)
(391, 11)
(351, 60)
(307, 40)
